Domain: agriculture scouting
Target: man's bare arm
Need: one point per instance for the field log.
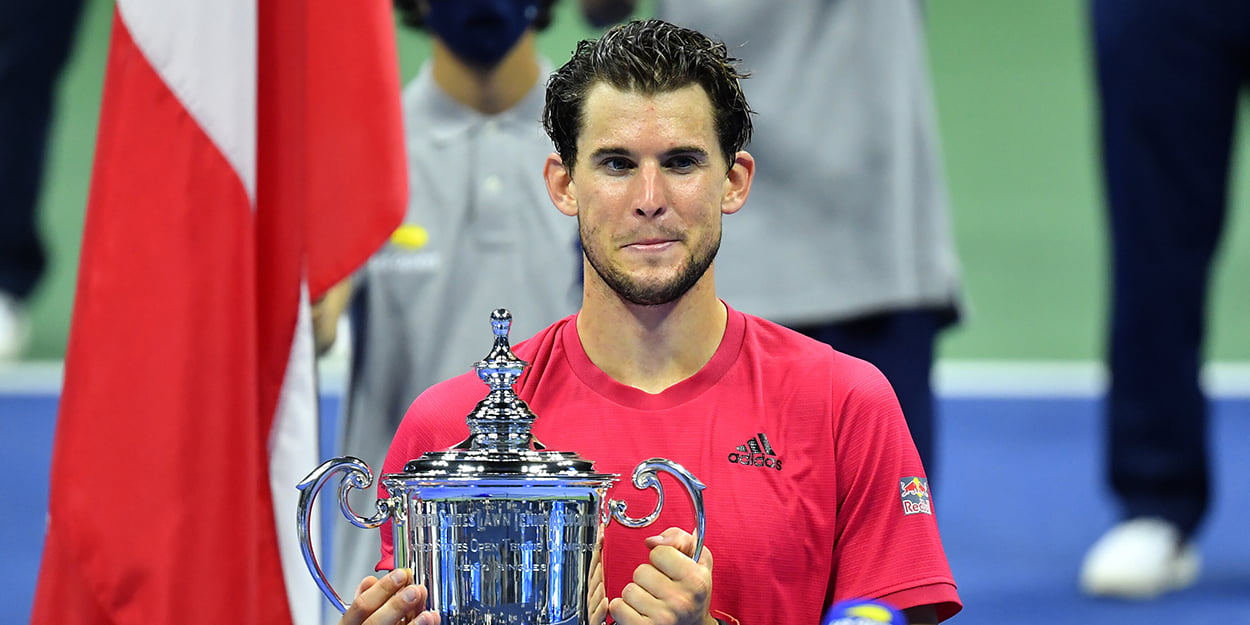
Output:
(326, 312)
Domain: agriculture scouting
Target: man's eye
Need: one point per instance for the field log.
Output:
(683, 163)
(616, 164)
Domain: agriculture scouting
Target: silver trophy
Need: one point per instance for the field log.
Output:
(500, 529)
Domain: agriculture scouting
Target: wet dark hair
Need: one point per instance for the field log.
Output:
(648, 57)
(410, 14)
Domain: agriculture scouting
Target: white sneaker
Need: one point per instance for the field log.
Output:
(14, 327)
(1140, 558)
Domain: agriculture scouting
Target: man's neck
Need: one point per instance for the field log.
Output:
(488, 91)
(651, 347)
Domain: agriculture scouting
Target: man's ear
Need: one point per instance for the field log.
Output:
(560, 185)
(738, 183)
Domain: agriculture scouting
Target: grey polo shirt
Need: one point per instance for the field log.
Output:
(480, 233)
(848, 213)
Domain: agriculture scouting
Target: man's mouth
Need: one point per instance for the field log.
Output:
(651, 244)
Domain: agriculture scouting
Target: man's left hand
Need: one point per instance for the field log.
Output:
(672, 589)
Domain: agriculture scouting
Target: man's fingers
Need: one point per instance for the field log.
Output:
(678, 594)
(705, 558)
(670, 553)
(597, 597)
(672, 587)
(678, 539)
(623, 612)
(599, 611)
(378, 593)
(403, 607)
(427, 618)
(388, 601)
(364, 585)
(595, 584)
(674, 537)
(646, 601)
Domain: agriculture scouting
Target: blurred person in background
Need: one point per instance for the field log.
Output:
(35, 41)
(1170, 73)
(850, 242)
(479, 233)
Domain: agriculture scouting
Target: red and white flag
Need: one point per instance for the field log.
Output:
(250, 155)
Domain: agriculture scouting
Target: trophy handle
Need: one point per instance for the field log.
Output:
(358, 476)
(645, 477)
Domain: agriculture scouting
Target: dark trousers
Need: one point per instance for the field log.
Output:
(1169, 73)
(35, 38)
(901, 345)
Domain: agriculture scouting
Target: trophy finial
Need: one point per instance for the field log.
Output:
(501, 322)
(500, 368)
(501, 421)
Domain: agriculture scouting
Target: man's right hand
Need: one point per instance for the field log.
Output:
(391, 600)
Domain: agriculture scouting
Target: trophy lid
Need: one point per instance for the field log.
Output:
(501, 443)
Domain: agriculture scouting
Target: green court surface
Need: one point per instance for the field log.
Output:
(1015, 103)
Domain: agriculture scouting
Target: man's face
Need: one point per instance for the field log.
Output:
(649, 188)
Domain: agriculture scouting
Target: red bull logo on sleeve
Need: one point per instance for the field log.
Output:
(915, 494)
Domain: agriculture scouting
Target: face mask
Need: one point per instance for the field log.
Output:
(480, 32)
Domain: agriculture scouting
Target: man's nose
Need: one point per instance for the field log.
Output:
(650, 196)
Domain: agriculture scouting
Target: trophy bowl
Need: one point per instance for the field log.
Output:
(499, 529)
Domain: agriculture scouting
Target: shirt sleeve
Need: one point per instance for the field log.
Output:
(888, 545)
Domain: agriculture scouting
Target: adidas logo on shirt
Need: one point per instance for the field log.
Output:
(756, 452)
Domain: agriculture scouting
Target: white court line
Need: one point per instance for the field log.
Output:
(953, 378)
(1014, 378)
(41, 377)
(1010, 378)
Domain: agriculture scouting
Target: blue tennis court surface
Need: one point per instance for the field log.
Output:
(1018, 494)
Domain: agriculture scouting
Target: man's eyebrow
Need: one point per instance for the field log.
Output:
(687, 149)
(620, 151)
(609, 151)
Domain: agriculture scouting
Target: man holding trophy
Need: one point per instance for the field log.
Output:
(814, 490)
